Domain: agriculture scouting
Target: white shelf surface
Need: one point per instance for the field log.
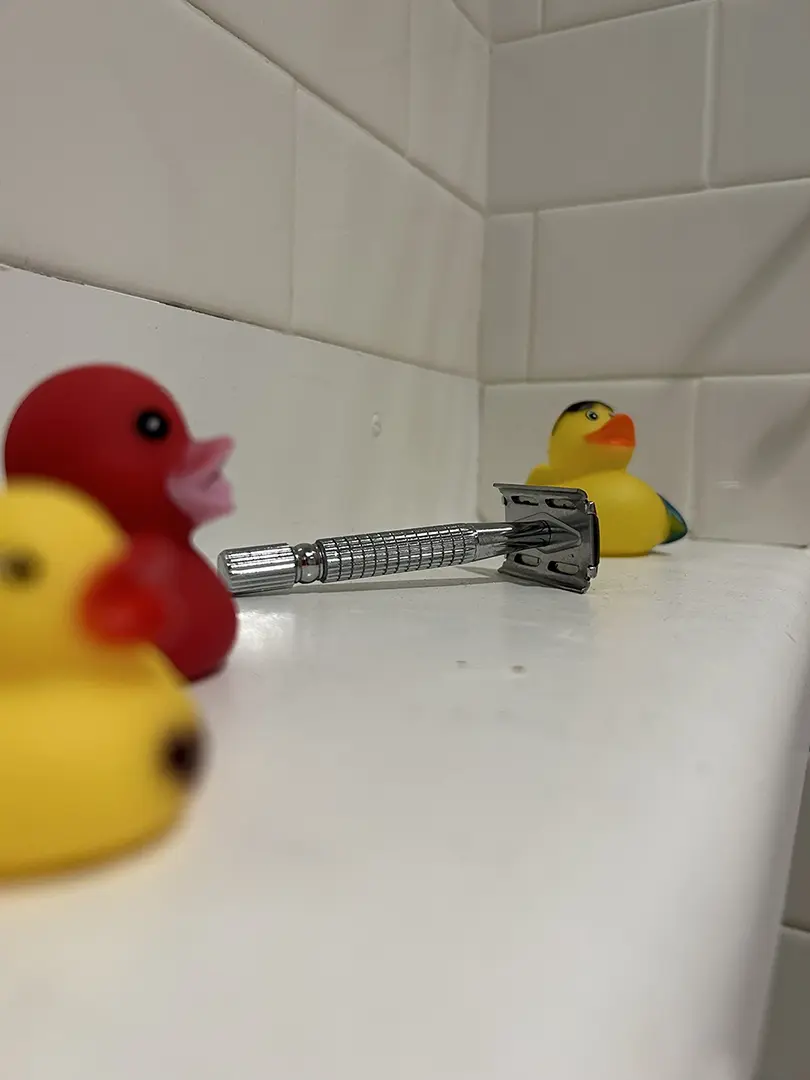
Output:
(454, 829)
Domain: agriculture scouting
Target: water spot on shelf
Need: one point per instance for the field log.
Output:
(518, 669)
(461, 663)
(376, 425)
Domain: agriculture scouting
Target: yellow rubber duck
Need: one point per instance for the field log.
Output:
(99, 741)
(590, 448)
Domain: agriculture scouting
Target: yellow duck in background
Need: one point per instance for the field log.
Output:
(590, 448)
(99, 741)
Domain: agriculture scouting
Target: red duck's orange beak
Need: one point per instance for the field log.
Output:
(618, 431)
(134, 598)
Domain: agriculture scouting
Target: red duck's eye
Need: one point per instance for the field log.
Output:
(153, 425)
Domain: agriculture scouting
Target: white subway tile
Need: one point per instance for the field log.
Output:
(506, 298)
(449, 89)
(560, 14)
(450, 283)
(385, 259)
(389, 444)
(122, 166)
(516, 423)
(354, 53)
(763, 91)
(676, 285)
(359, 236)
(576, 117)
(786, 1042)
(753, 458)
(797, 904)
(478, 12)
(513, 19)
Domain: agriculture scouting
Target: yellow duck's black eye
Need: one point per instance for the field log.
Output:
(18, 568)
(592, 414)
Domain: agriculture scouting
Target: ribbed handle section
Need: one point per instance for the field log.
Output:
(375, 554)
(264, 569)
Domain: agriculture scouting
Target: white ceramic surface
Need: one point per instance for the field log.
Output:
(352, 52)
(753, 458)
(506, 298)
(763, 91)
(577, 117)
(463, 830)
(633, 289)
(449, 91)
(385, 258)
(560, 14)
(797, 904)
(513, 19)
(786, 1047)
(477, 11)
(146, 150)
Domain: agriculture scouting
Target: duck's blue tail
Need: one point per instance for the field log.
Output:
(677, 524)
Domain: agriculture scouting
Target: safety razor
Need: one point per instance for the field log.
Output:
(550, 537)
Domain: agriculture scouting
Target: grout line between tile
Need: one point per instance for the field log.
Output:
(691, 465)
(293, 210)
(479, 337)
(658, 377)
(478, 460)
(758, 181)
(466, 15)
(515, 40)
(28, 267)
(305, 84)
(531, 360)
(406, 149)
(618, 200)
(608, 200)
(710, 94)
(673, 5)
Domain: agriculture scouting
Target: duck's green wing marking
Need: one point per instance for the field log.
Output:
(677, 525)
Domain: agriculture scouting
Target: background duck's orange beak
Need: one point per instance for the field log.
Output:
(618, 431)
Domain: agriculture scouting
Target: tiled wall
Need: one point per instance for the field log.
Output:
(649, 241)
(317, 167)
(320, 168)
(308, 165)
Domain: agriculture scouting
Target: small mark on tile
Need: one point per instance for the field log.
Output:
(461, 663)
(729, 485)
(376, 425)
(518, 669)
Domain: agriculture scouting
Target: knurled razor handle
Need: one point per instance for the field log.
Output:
(550, 537)
(375, 554)
(277, 567)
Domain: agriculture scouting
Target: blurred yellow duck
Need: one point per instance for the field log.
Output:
(99, 741)
(590, 448)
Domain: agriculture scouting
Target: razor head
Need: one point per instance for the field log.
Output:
(555, 540)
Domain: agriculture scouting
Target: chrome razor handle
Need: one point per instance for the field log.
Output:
(276, 567)
(550, 537)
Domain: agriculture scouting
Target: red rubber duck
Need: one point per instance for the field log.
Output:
(121, 438)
